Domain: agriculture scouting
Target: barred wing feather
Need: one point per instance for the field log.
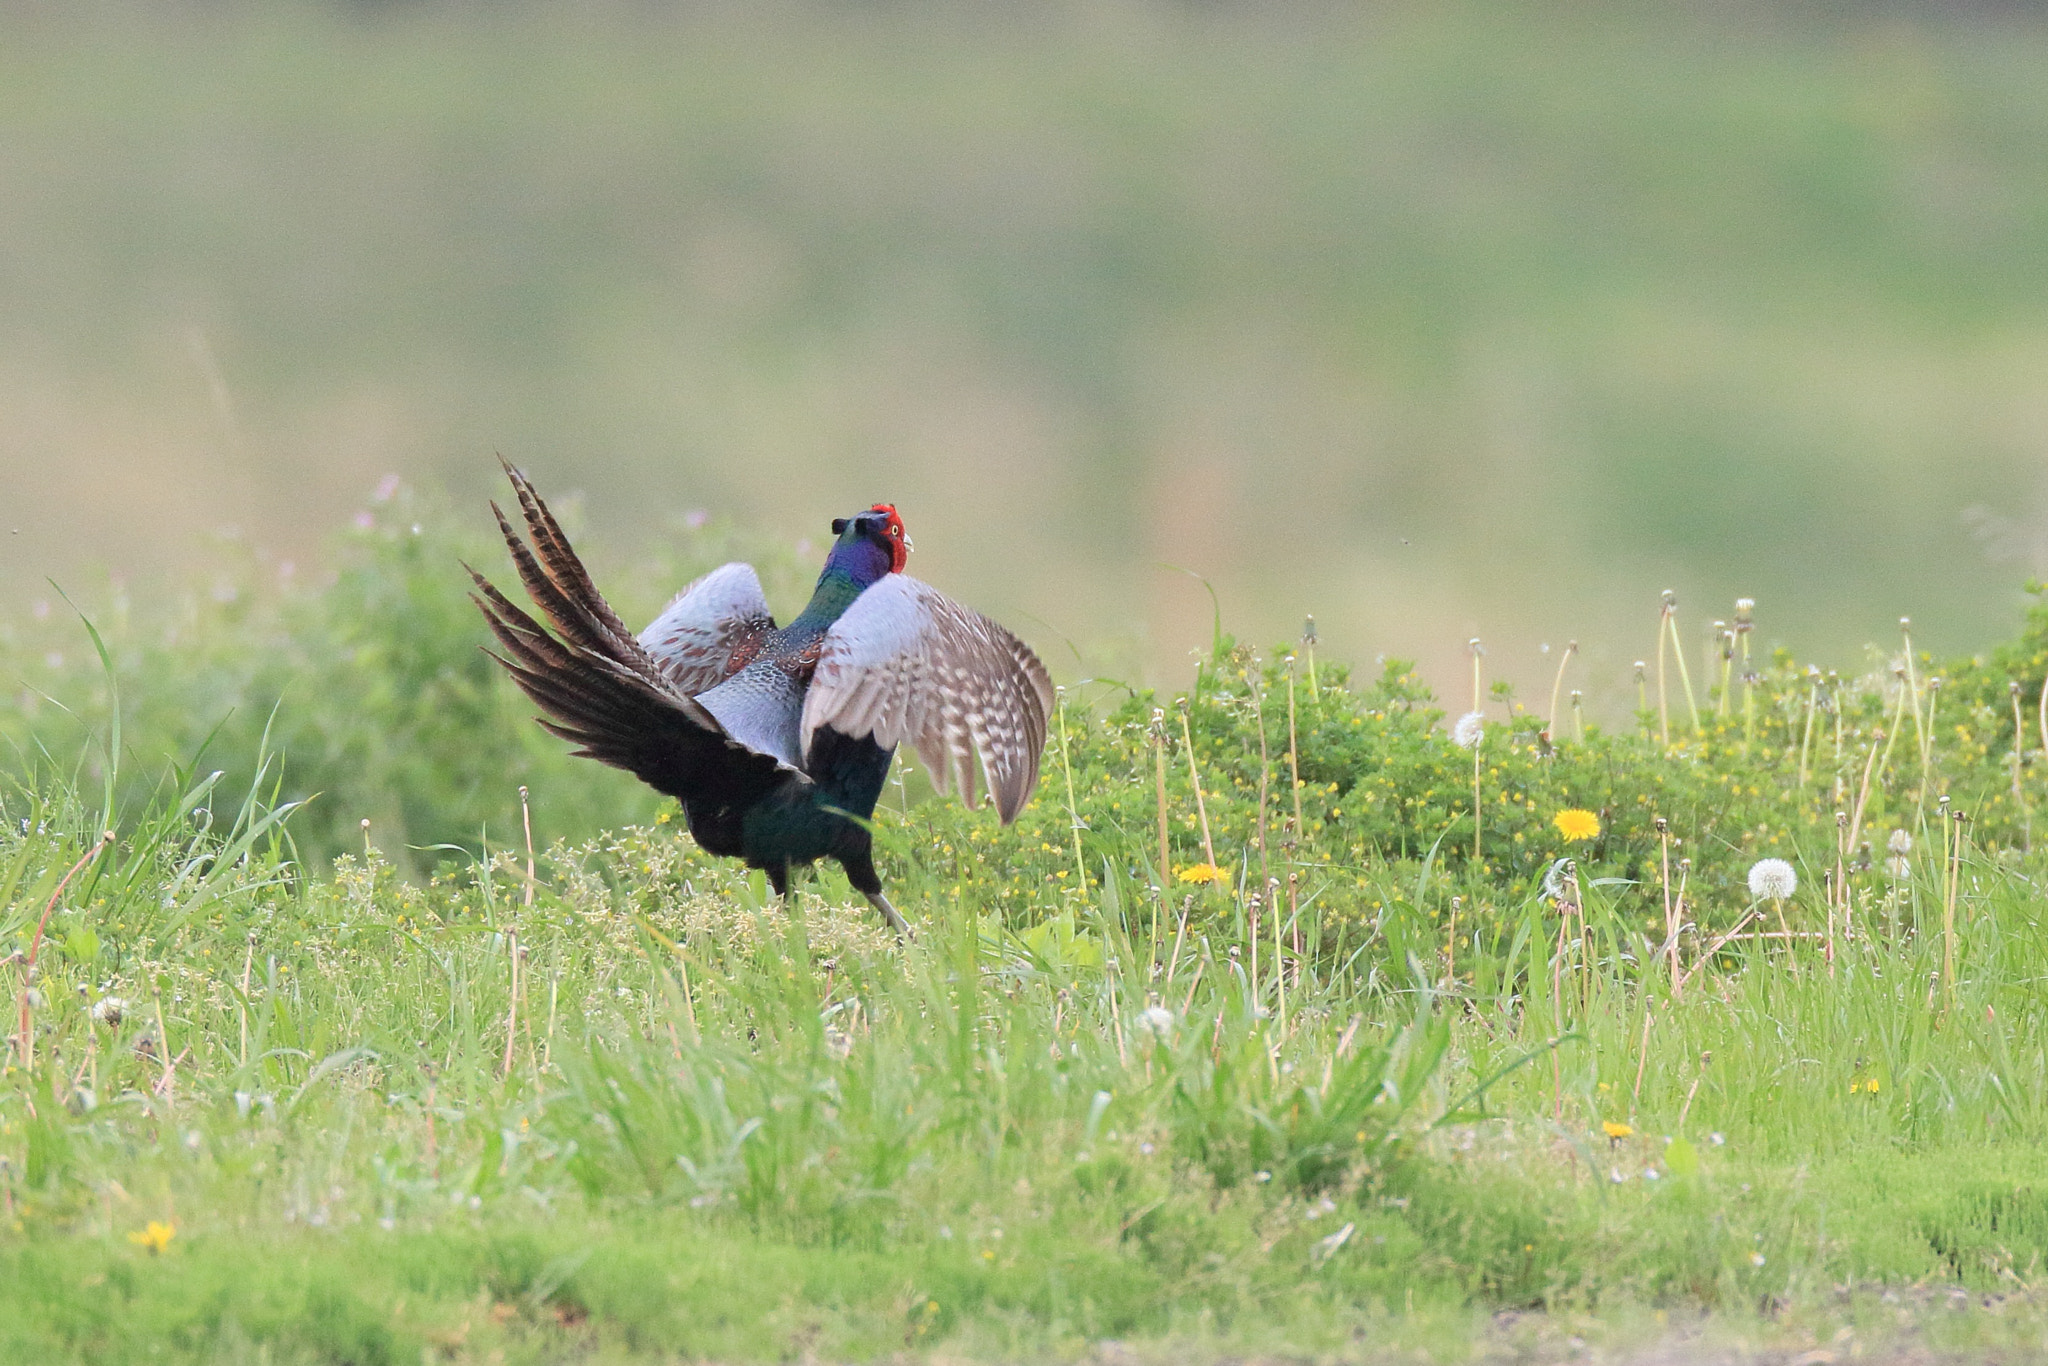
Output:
(906, 664)
(696, 638)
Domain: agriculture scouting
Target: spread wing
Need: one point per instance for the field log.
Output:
(905, 663)
(720, 617)
(600, 689)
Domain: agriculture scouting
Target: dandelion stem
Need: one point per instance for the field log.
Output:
(1841, 884)
(1785, 930)
(526, 820)
(1556, 690)
(1664, 886)
(1478, 823)
(1663, 704)
(1692, 705)
(512, 1009)
(1806, 735)
(1863, 794)
(2019, 759)
(1195, 777)
(1073, 812)
(1884, 765)
(1294, 755)
(1674, 920)
(1953, 864)
(1748, 695)
(1927, 740)
(1835, 704)
(2043, 704)
(1642, 1059)
(1913, 688)
(1159, 773)
(1308, 642)
(1279, 963)
(1724, 643)
(1744, 625)
(1451, 947)
(1265, 767)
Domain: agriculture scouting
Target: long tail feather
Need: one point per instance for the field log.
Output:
(598, 688)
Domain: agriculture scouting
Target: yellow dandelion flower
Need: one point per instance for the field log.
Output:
(155, 1235)
(1576, 825)
(1616, 1131)
(1202, 872)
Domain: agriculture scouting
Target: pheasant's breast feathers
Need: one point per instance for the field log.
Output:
(759, 706)
(906, 664)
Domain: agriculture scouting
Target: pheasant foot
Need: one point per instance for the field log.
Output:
(881, 903)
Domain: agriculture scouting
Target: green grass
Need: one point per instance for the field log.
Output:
(1357, 1107)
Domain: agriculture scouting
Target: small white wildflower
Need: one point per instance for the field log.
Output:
(1469, 730)
(1262, 1177)
(108, 1011)
(1326, 1247)
(1716, 1138)
(1773, 878)
(1756, 1259)
(1900, 843)
(1156, 1020)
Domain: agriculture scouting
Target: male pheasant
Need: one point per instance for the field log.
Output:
(776, 740)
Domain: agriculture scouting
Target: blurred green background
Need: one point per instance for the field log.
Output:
(1432, 321)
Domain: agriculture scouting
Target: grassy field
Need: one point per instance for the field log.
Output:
(315, 1055)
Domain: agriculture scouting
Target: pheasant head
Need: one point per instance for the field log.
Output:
(861, 535)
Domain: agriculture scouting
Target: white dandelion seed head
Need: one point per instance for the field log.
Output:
(1469, 730)
(1773, 878)
(108, 1010)
(1156, 1021)
(1900, 843)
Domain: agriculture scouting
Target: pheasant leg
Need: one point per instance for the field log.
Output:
(881, 903)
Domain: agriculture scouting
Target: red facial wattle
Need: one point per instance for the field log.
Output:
(899, 541)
